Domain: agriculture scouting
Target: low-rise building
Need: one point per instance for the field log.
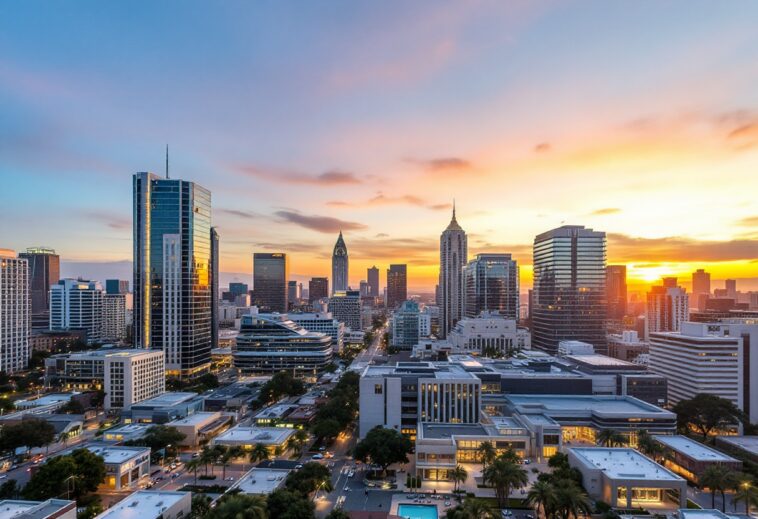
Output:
(163, 408)
(575, 348)
(321, 322)
(275, 416)
(50, 509)
(275, 438)
(261, 481)
(624, 478)
(626, 345)
(234, 397)
(742, 447)
(126, 432)
(200, 427)
(151, 504)
(690, 458)
(124, 466)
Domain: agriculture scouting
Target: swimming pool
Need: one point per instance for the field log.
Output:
(417, 511)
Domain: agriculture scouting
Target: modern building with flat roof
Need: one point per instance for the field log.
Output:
(151, 504)
(247, 437)
(200, 427)
(744, 447)
(690, 458)
(50, 509)
(124, 466)
(163, 408)
(125, 432)
(624, 478)
(261, 481)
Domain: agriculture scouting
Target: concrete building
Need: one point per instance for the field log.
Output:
(372, 275)
(200, 427)
(575, 348)
(340, 267)
(742, 447)
(624, 478)
(321, 322)
(453, 257)
(44, 272)
(15, 312)
(626, 345)
(569, 295)
(151, 504)
(126, 432)
(616, 291)
(76, 304)
(270, 274)
(397, 285)
(491, 284)
(318, 288)
(50, 509)
(346, 306)
(127, 376)
(125, 467)
(163, 408)
(690, 458)
(268, 343)
(710, 358)
(261, 481)
(701, 286)
(667, 307)
(247, 437)
(114, 317)
(172, 272)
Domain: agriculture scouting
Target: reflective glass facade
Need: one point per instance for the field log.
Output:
(491, 284)
(270, 281)
(569, 288)
(172, 264)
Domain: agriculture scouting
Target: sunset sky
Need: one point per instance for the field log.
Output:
(639, 119)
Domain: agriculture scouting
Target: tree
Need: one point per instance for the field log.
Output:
(747, 492)
(240, 506)
(459, 475)
(207, 457)
(193, 466)
(76, 474)
(71, 407)
(706, 414)
(327, 429)
(542, 496)
(285, 504)
(229, 454)
(313, 476)
(337, 513)
(280, 384)
(472, 508)
(10, 489)
(160, 437)
(504, 475)
(383, 447)
(297, 441)
(487, 454)
(648, 445)
(610, 438)
(718, 478)
(558, 460)
(29, 433)
(201, 505)
(570, 499)
(259, 453)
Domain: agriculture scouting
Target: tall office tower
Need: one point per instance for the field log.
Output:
(238, 289)
(292, 293)
(569, 288)
(491, 284)
(701, 289)
(615, 289)
(116, 286)
(214, 274)
(114, 317)
(667, 307)
(397, 285)
(340, 278)
(172, 264)
(318, 288)
(372, 275)
(364, 288)
(15, 312)
(44, 272)
(77, 304)
(730, 285)
(270, 272)
(346, 307)
(453, 256)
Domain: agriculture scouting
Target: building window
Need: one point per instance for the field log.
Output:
(377, 389)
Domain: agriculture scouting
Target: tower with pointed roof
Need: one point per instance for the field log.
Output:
(339, 266)
(453, 257)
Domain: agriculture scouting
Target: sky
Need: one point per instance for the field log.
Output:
(639, 119)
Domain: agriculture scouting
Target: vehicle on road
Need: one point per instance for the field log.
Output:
(317, 457)
(298, 466)
(351, 474)
(506, 513)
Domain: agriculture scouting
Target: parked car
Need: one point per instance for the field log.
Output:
(317, 457)
(351, 474)
(506, 514)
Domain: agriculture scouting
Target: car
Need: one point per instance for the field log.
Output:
(317, 457)
(529, 516)
(351, 474)
(174, 476)
(347, 489)
(195, 454)
(322, 449)
(3, 476)
(527, 461)
(230, 478)
(506, 513)
(298, 466)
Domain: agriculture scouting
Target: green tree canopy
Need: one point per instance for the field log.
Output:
(79, 472)
(383, 447)
(281, 384)
(285, 504)
(239, 506)
(29, 433)
(705, 414)
(308, 479)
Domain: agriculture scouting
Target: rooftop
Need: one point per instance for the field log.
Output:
(695, 450)
(113, 454)
(167, 399)
(597, 360)
(746, 443)
(53, 398)
(624, 464)
(275, 411)
(694, 513)
(195, 419)
(436, 431)
(32, 509)
(250, 435)
(144, 504)
(605, 404)
(261, 480)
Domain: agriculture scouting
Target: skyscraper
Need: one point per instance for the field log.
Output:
(114, 317)
(15, 312)
(667, 307)
(491, 284)
(346, 307)
(701, 288)
(318, 288)
(214, 287)
(372, 275)
(78, 304)
(270, 273)
(397, 285)
(730, 285)
(116, 286)
(172, 279)
(453, 256)
(44, 272)
(615, 289)
(292, 293)
(569, 288)
(339, 266)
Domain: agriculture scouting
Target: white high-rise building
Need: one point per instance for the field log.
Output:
(15, 312)
(114, 317)
(453, 257)
(322, 322)
(127, 376)
(77, 304)
(667, 307)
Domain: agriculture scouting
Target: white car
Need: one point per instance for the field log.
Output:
(317, 457)
(506, 513)
(351, 474)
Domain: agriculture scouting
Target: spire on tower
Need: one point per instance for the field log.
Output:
(167, 177)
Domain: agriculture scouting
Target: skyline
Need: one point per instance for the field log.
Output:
(328, 126)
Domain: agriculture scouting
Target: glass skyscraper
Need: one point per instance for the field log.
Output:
(172, 271)
(491, 284)
(270, 273)
(44, 272)
(569, 288)
(397, 285)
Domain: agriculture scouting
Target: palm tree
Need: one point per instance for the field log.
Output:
(206, 457)
(717, 478)
(297, 441)
(648, 445)
(193, 465)
(459, 475)
(477, 509)
(259, 453)
(570, 499)
(225, 459)
(542, 496)
(240, 506)
(610, 438)
(486, 453)
(504, 475)
(747, 492)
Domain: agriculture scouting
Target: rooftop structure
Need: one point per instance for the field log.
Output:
(693, 449)
(50, 509)
(261, 481)
(623, 464)
(246, 437)
(52, 399)
(590, 404)
(690, 459)
(694, 513)
(150, 504)
(126, 432)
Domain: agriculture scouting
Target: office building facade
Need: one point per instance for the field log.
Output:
(397, 285)
(407, 327)
(616, 291)
(77, 304)
(114, 317)
(214, 274)
(569, 288)
(701, 288)
(346, 307)
(116, 286)
(453, 256)
(322, 322)
(491, 284)
(318, 288)
(667, 307)
(340, 267)
(372, 275)
(15, 312)
(44, 272)
(270, 272)
(172, 272)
